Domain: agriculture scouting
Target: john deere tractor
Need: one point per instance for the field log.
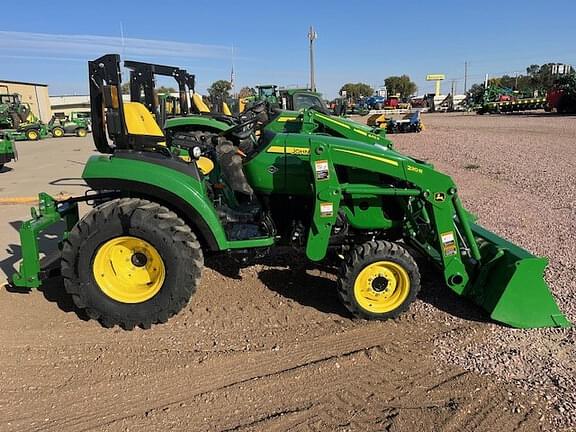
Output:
(17, 118)
(327, 187)
(12, 110)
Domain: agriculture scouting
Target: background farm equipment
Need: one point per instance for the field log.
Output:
(17, 118)
(61, 125)
(29, 132)
(397, 123)
(291, 99)
(562, 97)
(7, 149)
(13, 111)
(498, 100)
(355, 203)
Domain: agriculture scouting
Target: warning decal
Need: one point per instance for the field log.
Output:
(326, 209)
(448, 243)
(321, 168)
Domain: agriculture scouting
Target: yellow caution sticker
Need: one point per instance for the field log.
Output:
(448, 243)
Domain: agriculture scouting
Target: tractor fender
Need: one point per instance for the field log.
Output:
(165, 181)
(196, 122)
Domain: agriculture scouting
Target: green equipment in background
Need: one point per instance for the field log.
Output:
(62, 124)
(12, 110)
(326, 186)
(29, 132)
(17, 118)
(7, 149)
(500, 100)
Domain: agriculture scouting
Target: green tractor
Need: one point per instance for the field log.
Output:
(17, 118)
(325, 186)
(293, 99)
(61, 125)
(12, 110)
(297, 99)
(29, 132)
(7, 149)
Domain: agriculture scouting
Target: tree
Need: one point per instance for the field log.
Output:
(246, 92)
(401, 85)
(126, 89)
(163, 89)
(356, 91)
(475, 95)
(219, 90)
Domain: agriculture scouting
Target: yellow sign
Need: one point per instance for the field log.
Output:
(435, 77)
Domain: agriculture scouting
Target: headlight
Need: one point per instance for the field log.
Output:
(196, 152)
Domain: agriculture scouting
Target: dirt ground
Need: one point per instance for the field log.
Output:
(270, 348)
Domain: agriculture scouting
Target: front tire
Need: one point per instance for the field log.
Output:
(81, 132)
(57, 132)
(378, 280)
(32, 135)
(131, 262)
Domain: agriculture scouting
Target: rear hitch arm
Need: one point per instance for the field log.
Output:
(49, 212)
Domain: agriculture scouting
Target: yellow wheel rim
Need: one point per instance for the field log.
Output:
(382, 287)
(32, 135)
(82, 133)
(128, 269)
(58, 132)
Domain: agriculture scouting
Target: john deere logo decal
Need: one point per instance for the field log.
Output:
(439, 196)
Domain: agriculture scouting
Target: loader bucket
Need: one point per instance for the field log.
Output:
(510, 284)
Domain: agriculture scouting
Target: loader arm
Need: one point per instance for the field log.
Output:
(506, 280)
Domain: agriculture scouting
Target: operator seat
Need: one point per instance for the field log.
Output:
(139, 121)
(199, 103)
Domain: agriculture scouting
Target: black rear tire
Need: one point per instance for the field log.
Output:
(370, 254)
(15, 120)
(158, 226)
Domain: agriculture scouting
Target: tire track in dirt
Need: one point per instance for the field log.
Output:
(368, 378)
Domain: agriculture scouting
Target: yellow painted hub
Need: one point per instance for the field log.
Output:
(82, 133)
(32, 135)
(58, 132)
(381, 287)
(128, 269)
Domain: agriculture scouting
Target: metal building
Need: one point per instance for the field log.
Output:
(34, 94)
(70, 103)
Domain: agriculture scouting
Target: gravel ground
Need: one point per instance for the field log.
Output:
(517, 174)
(271, 348)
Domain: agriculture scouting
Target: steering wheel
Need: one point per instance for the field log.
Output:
(234, 130)
(253, 113)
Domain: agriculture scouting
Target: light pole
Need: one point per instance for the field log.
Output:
(312, 36)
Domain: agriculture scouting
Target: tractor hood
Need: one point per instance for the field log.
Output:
(198, 122)
(313, 121)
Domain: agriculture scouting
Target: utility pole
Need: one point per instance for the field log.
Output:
(232, 76)
(312, 36)
(465, 76)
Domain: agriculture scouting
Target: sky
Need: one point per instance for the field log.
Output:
(358, 41)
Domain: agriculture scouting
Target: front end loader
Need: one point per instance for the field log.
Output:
(320, 184)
